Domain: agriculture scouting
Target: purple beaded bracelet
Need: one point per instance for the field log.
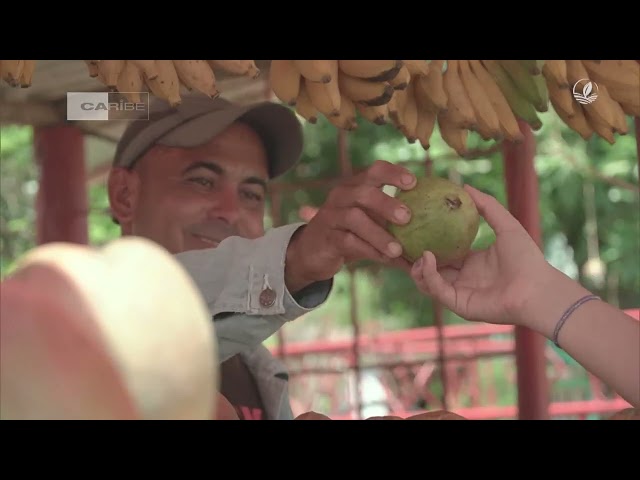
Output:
(568, 313)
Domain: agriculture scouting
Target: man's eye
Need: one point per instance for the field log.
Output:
(205, 182)
(253, 196)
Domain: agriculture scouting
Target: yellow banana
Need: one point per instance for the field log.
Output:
(628, 107)
(397, 109)
(618, 119)
(419, 68)
(562, 98)
(556, 71)
(246, 68)
(576, 72)
(486, 116)
(197, 75)
(532, 87)
(365, 92)
(109, 71)
(507, 119)
(167, 84)
(26, 75)
(324, 98)
(425, 126)
(304, 107)
(148, 67)
(577, 122)
(458, 99)
(131, 81)
(372, 70)
(430, 90)
(392, 109)
(378, 114)
(615, 74)
(12, 71)
(346, 118)
(622, 79)
(285, 81)
(92, 66)
(410, 115)
(602, 129)
(402, 79)
(316, 70)
(452, 134)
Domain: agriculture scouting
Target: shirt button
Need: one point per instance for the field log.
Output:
(267, 297)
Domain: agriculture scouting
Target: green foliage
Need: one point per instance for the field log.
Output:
(18, 188)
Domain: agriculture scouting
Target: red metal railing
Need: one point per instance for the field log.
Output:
(406, 365)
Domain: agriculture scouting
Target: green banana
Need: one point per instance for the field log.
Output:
(521, 106)
(533, 87)
(534, 67)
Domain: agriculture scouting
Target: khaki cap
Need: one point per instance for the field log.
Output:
(198, 119)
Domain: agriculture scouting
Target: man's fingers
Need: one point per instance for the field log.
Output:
(378, 205)
(383, 173)
(430, 282)
(498, 217)
(356, 221)
(354, 248)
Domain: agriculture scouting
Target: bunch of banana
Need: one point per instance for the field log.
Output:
(17, 73)
(487, 97)
(610, 89)
(165, 78)
(341, 90)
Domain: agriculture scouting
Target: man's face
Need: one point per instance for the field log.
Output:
(188, 199)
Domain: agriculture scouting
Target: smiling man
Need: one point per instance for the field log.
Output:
(194, 179)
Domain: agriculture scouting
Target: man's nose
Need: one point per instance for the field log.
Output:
(226, 205)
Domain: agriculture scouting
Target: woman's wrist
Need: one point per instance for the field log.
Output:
(553, 293)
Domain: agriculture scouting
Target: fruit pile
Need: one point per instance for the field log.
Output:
(462, 96)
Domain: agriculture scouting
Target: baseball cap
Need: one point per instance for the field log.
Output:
(199, 118)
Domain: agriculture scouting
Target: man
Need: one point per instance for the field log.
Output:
(194, 179)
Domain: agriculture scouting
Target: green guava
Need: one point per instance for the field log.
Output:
(444, 220)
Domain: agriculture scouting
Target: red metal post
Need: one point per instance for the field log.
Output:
(522, 194)
(62, 202)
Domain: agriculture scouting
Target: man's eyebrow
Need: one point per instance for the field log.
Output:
(256, 181)
(202, 164)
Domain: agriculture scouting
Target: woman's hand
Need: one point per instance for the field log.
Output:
(490, 285)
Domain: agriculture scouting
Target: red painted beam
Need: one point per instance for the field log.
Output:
(522, 195)
(62, 202)
(451, 332)
(401, 340)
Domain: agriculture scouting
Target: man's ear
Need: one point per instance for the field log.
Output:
(123, 188)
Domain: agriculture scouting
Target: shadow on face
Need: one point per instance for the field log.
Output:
(188, 199)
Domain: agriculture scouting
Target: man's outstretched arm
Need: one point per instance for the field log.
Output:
(243, 283)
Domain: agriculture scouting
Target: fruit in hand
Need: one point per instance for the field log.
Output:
(444, 221)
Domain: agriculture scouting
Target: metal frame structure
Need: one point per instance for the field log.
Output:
(62, 208)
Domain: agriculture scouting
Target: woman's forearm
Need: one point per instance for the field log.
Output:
(602, 338)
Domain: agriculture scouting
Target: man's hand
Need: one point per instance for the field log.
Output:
(350, 226)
